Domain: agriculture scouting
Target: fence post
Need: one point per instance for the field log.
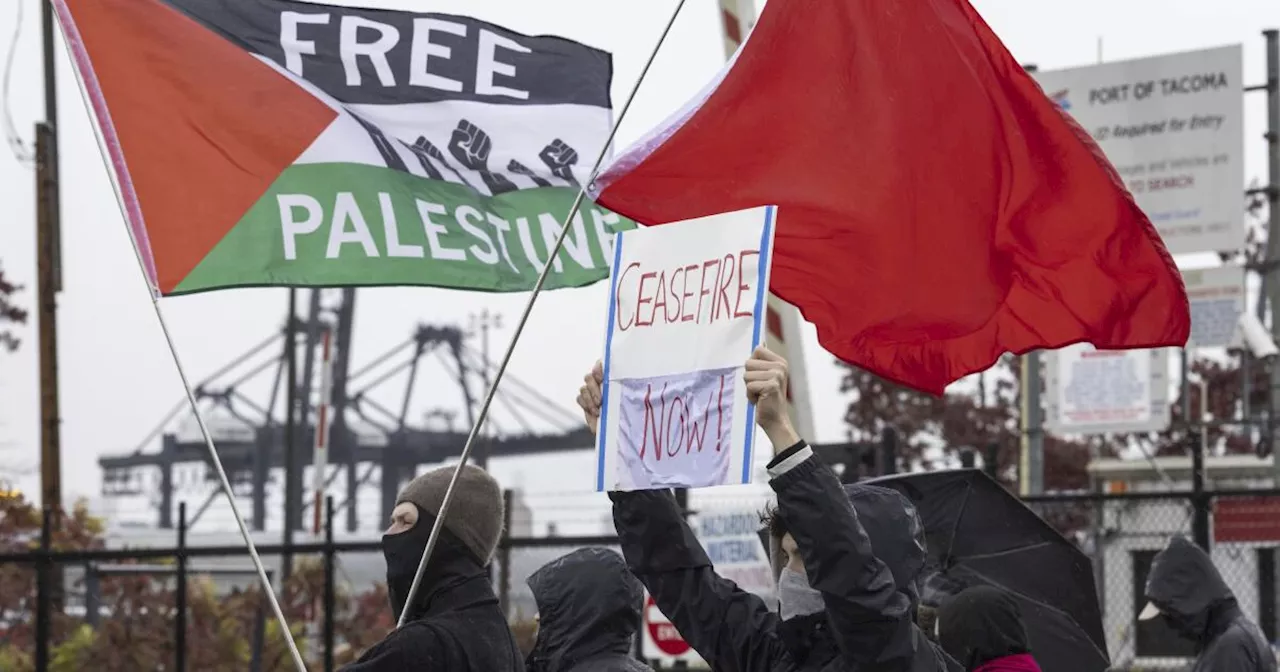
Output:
(888, 452)
(991, 461)
(43, 593)
(259, 635)
(329, 598)
(92, 594)
(1200, 502)
(180, 622)
(504, 571)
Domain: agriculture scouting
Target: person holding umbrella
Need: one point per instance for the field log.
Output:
(982, 628)
(1186, 591)
(1045, 574)
(841, 607)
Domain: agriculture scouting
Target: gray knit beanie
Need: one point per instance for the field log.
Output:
(475, 514)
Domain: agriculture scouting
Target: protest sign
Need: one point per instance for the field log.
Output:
(1173, 126)
(686, 308)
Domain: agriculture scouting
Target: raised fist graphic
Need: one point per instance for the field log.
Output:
(470, 145)
(521, 169)
(560, 158)
(426, 152)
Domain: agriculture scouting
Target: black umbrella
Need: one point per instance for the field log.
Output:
(980, 534)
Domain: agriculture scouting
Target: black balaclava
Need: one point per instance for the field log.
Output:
(451, 563)
(981, 624)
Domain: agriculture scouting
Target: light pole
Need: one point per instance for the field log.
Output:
(481, 323)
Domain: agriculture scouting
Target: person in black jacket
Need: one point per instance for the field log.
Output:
(454, 622)
(982, 628)
(1187, 592)
(588, 613)
(840, 607)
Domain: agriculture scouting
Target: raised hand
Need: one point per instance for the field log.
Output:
(560, 158)
(589, 396)
(766, 377)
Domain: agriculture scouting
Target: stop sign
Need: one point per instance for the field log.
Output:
(664, 634)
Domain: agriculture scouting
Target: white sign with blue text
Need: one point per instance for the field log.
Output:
(687, 305)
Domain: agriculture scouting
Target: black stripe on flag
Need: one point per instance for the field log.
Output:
(384, 57)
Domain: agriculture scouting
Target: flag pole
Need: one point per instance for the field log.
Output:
(90, 88)
(524, 318)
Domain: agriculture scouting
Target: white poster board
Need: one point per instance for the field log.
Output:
(1173, 126)
(686, 308)
(1092, 391)
(1217, 299)
(731, 539)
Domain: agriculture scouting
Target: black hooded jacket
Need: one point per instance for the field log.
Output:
(455, 622)
(868, 624)
(588, 613)
(982, 624)
(1195, 601)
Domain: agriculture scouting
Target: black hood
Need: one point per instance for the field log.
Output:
(981, 624)
(1187, 588)
(896, 534)
(589, 603)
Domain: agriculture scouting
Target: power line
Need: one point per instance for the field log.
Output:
(20, 150)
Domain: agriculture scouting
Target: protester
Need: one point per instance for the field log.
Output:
(982, 628)
(1187, 592)
(588, 614)
(454, 621)
(840, 606)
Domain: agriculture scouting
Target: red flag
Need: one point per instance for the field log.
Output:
(935, 208)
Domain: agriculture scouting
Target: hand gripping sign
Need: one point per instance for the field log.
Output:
(686, 308)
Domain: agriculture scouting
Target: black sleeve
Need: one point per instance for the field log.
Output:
(414, 646)
(733, 630)
(870, 618)
(1232, 651)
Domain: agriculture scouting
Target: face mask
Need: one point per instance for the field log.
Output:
(795, 597)
(403, 552)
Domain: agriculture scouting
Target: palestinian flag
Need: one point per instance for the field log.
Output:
(264, 142)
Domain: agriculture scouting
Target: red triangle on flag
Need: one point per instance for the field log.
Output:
(935, 209)
(203, 127)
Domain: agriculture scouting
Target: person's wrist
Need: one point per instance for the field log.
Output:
(781, 434)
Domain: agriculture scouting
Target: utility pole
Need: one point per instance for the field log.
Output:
(49, 276)
(481, 323)
(1031, 457)
(290, 421)
(1272, 284)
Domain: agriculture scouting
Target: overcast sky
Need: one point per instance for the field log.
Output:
(116, 374)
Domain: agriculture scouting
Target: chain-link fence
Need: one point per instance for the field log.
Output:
(1122, 533)
(65, 600)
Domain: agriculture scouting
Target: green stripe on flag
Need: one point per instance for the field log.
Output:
(347, 224)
